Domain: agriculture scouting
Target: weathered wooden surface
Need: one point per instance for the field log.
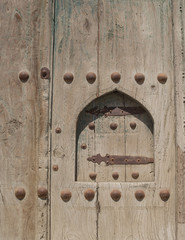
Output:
(25, 45)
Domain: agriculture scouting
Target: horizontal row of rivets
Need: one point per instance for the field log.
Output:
(115, 175)
(20, 193)
(116, 76)
(24, 75)
(115, 195)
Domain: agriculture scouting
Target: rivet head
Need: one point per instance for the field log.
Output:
(20, 193)
(133, 125)
(68, 77)
(115, 195)
(83, 146)
(164, 195)
(162, 78)
(140, 195)
(91, 77)
(55, 167)
(140, 78)
(66, 195)
(115, 76)
(113, 126)
(45, 73)
(91, 126)
(58, 130)
(115, 175)
(42, 193)
(24, 76)
(89, 194)
(135, 175)
(92, 176)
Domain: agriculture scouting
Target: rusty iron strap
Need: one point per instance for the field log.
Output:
(120, 160)
(116, 111)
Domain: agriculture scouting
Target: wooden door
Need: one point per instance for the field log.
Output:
(113, 121)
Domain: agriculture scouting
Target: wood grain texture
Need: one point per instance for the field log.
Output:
(23, 118)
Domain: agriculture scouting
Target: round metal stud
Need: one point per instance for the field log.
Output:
(135, 175)
(83, 146)
(91, 77)
(113, 126)
(115, 175)
(115, 195)
(140, 195)
(42, 193)
(91, 126)
(55, 168)
(115, 76)
(66, 195)
(89, 194)
(92, 176)
(162, 78)
(133, 125)
(58, 130)
(164, 195)
(20, 193)
(68, 77)
(24, 76)
(45, 73)
(140, 78)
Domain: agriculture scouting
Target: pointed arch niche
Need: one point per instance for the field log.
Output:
(117, 128)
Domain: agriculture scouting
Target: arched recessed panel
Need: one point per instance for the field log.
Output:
(114, 141)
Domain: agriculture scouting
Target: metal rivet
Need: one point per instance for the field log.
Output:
(68, 77)
(91, 77)
(115, 76)
(92, 176)
(23, 76)
(89, 194)
(162, 78)
(115, 195)
(135, 175)
(58, 130)
(115, 175)
(20, 193)
(42, 193)
(83, 146)
(133, 125)
(164, 195)
(55, 168)
(66, 195)
(140, 78)
(91, 126)
(45, 73)
(113, 126)
(140, 195)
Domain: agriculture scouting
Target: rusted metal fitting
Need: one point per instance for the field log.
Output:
(58, 130)
(45, 73)
(83, 146)
(113, 126)
(91, 126)
(20, 193)
(89, 194)
(140, 195)
(115, 175)
(164, 195)
(115, 76)
(140, 78)
(68, 77)
(66, 195)
(162, 78)
(93, 176)
(55, 168)
(135, 175)
(133, 125)
(42, 193)
(24, 76)
(91, 77)
(115, 195)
